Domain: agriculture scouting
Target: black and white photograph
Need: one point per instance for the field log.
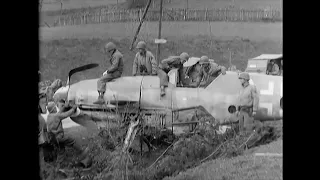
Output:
(160, 90)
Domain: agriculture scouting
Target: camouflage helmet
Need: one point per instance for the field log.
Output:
(244, 75)
(184, 56)
(110, 46)
(141, 45)
(204, 59)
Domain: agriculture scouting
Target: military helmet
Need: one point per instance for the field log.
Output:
(141, 45)
(110, 46)
(244, 75)
(184, 56)
(204, 59)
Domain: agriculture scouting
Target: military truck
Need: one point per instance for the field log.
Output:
(260, 64)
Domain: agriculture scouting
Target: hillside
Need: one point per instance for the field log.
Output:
(247, 166)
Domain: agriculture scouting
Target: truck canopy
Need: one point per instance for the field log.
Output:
(259, 64)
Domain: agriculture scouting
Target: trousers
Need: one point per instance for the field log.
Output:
(246, 120)
(163, 76)
(101, 84)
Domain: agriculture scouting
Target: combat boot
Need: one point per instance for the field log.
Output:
(162, 91)
(100, 99)
(85, 160)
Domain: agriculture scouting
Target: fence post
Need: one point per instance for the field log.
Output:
(206, 14)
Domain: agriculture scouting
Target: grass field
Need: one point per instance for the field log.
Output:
(51, 5)
(77, 45)
(252, 31)
(245, 167)
(210, 4)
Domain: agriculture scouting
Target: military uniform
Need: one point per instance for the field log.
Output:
(195, 75)
(54, 124)
(275, 70)
(166, 65)
(211, 71)
(42, 137)
(248, 103)
(113, 72)
(144, 62)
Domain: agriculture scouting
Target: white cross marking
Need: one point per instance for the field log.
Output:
(270, 89)
(268, 106)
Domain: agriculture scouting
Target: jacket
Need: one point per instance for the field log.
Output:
(249, 97)
(116, 62)
(54, 122)
(148, 62)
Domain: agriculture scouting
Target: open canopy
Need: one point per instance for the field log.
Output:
(268, 57)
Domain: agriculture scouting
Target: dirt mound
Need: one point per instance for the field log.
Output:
(189, 152)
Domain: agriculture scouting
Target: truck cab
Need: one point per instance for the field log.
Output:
(260, 64)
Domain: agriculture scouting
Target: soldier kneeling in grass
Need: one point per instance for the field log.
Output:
(54, 123)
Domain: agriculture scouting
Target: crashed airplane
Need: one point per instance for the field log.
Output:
(180, 104)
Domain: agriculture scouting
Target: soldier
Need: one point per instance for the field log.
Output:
(144, 63)
(269, 67)
(194, 73)
(42, 123)
(113, 72)
(275, 70)
(166, 65)
(211, 71)
(248, 104)
(53, 88)
(55, 127)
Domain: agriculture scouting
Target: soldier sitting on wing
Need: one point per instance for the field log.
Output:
(166, 65)
(144, 62)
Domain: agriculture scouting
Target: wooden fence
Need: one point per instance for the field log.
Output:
(233, 15)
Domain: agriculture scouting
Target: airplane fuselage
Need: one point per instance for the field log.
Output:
(216, 98)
